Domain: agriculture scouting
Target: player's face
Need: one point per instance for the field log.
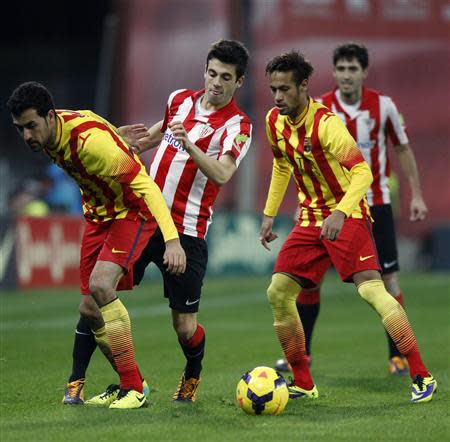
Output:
(349, 76)
(289, 97)
(220, 83)
(35, 130)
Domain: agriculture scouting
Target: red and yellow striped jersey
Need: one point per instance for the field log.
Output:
(112, 180)
(329, 170)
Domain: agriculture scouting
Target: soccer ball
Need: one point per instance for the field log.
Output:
(262, 391)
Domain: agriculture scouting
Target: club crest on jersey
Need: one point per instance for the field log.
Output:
(239, 142)
(307, 145)
(369, 122)
(205, 131)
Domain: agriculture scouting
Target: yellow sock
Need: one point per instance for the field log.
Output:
(391, 312)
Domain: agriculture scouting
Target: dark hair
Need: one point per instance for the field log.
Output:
(30, 95)
(230, 52)
(348, 51)
(291, 61)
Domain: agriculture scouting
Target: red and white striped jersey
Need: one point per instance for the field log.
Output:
(189, 194)
(371, 122)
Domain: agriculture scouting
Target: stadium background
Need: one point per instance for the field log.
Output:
(123, 58)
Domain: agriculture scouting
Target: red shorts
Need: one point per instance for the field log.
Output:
(307, 257)
(120, 241)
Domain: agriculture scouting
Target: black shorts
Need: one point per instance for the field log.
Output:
(184, 290)
(385, 240)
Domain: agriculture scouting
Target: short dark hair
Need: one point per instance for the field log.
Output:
(30, 95)
(348, 51)
(291, 61)
(230, 52)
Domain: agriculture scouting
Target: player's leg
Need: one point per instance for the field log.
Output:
(184, 292)
(308, 307)
(395, 321)
(125, 241)
(386, 243)
(292, 268)
(355, 258)
(191, 337)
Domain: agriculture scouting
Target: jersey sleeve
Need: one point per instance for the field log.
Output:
(281, 173)
(237, 140)
(395, 125)
(103, 156)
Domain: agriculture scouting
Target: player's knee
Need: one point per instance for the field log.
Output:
(391, 283)
(185, 326)
(98, 287)
(281, 289)
(375, 294)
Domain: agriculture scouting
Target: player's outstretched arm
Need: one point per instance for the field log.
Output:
(139, 138)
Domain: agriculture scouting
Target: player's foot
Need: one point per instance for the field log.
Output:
(398, 365)
(295, 392)
(187, 390)
(74, 393)
(106, 398)
(128, 399)
(422, 389)
(283, 365)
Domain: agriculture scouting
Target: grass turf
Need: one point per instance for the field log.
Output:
(358, 399)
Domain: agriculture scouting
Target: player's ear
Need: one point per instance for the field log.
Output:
(51, 115)
(304, 84)
(365, 73)
(240, 81)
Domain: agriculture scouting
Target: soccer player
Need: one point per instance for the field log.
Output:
(312, 144)
(372, 119)
(200, 143)
(119, 200)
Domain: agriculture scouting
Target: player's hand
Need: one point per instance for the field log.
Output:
(134, 135)
(174, 257)
(332, 226)
(180, 134)
(265, 234)
(418, 209)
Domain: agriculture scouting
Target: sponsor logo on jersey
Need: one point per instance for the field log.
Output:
(170, 139)
(366, 144)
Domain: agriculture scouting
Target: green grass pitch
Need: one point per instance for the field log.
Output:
(358, 400)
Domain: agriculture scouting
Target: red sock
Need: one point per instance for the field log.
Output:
(195, 339)
(302, 375)
(416, 365)
(399, 298)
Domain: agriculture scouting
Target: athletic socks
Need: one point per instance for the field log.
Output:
(83, 347)
(120, 339)
(282, 294)
(193, 349)
(393, 350)
(395, 322)
(308, 307)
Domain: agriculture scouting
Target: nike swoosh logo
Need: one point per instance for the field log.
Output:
(386, 265)
(114, 250)
(141, 399)
(365, 258)
(193, 302)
